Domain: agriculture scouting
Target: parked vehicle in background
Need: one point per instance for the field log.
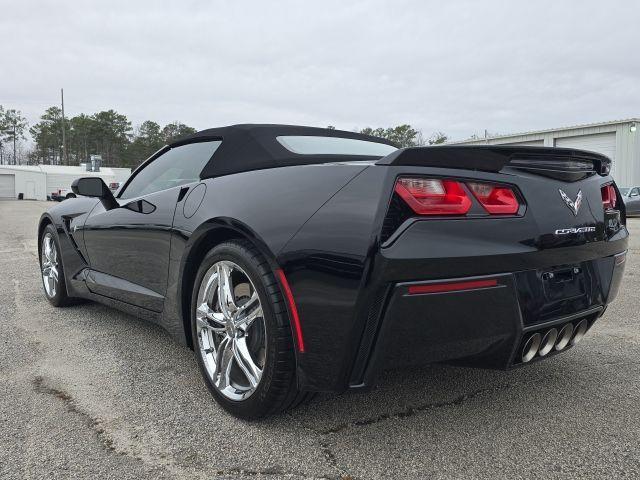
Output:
(62, 194)
(631, 199)
(65, 193)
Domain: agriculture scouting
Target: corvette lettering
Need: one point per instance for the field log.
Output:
(567, 231)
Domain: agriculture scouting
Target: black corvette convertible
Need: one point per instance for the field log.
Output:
(295, 259)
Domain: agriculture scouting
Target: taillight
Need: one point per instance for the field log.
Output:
(496, 199)
(430, 196)
(609, 197)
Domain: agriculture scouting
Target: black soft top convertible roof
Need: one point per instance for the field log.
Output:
(254, 147)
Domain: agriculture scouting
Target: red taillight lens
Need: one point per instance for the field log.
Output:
(430, 196)
(609, 197)
(496, 199)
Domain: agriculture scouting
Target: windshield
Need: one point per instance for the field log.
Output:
(312, 145)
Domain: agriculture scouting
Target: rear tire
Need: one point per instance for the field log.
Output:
(249, 370)
(51, 269)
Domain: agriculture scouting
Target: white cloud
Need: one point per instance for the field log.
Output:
(458, 66)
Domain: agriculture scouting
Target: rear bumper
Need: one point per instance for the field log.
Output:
(348, 264)
(481, 321)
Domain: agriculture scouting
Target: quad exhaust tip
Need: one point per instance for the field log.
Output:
(543, 343)
(548, 342)
(564, 337)
(580, 331)
(531, 347)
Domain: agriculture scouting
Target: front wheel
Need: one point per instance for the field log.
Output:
(241, 332)
(53, 280)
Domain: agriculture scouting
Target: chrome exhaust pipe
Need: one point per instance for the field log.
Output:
(548, 341)
(580, 331)
(531, 347)
(564, 337)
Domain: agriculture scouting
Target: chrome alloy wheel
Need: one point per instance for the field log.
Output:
(231, 330)
(49, 262)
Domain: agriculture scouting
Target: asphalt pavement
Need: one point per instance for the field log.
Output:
(89, 392)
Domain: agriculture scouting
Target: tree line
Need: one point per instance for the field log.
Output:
(111, 135)
(107, 133)
(12, 128)
(406, 136)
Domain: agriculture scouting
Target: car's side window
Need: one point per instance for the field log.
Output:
(178, 166)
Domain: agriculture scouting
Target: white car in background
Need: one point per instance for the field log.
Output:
(631, 199)
(62, 194)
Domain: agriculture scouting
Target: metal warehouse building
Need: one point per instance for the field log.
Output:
(36, 182)
(618, 140)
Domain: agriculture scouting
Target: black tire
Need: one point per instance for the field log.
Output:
(70, 195)
(60, 298)
(277, 390)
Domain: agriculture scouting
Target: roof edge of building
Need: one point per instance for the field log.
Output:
(549, 130)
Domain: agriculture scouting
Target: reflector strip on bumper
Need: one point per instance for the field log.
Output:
(620, 258)
(297, 328)
(452, 286)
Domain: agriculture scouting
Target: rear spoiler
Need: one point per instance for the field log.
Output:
(492, 158)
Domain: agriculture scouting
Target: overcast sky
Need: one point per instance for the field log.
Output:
(455, 66)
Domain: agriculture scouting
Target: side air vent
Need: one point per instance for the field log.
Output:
(374, 315)
(397, 213)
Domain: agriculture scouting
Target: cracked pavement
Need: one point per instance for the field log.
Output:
(91, 392)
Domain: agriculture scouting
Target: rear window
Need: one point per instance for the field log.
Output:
(311, 145)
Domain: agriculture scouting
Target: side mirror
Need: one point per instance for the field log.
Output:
(94, 187)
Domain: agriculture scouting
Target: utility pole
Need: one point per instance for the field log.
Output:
(14, 140)
(64, 139)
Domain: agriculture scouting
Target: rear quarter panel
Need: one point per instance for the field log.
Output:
(329, 264)
(267, 206)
